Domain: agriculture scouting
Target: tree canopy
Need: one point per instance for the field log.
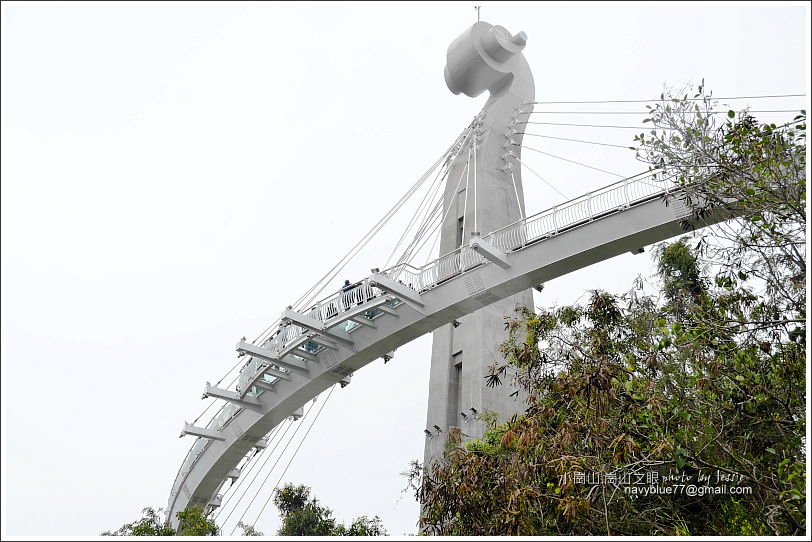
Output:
(303, 515)
(192, 522)
(699, 383)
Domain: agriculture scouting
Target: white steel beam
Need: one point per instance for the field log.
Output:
(262, 353)
(278, 374)
(231, 397)
(294, 344)
(403, 292)
(265, 385)
(205, 432)
(480, 246)
(324, 341)
(303, 320)
(356, 311)
(316, 326)
(392, 311)
(363, 321)
(303, 354)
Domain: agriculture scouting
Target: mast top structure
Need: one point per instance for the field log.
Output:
(488, 57)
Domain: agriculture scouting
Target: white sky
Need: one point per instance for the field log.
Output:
(174, 175)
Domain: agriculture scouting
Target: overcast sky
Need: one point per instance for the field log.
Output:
(174, 175)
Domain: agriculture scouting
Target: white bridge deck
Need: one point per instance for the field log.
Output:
(309, 352)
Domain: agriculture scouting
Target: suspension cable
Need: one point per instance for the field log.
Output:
(256, 474)
(465, 204)
(476, 136)
(422, 210)
(299, 425)
(649, 112)
(685, 99)
(572, 161)
(292, 457)
(516, 190)
(314, 290)
(588, 125)
(244, 476)
(416, 243)
(267, 457)
(578, 141)
(545, 181)
(436, 211)
(428, 225)
(432, 234)
(423, 207)
(360, 245)
(453, 199)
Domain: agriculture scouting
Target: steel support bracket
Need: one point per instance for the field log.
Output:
(484, 248)
(265, 354)
(205, 432)
(232, 397)
(316, 326)
(400, 290)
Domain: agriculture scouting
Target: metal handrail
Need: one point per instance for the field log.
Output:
(620, 195)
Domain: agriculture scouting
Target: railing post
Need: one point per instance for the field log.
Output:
(555, 219)
(626, 192)
(589, 204)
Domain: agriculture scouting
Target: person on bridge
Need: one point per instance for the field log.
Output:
(345, 291)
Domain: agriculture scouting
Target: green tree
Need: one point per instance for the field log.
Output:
(248, 530)
(362, 526)
(151, 524)
(743, 168)
(304, 516)
(705, 377)
(192, 522)
(301, 515)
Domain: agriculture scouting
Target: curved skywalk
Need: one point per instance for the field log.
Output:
(312, 350)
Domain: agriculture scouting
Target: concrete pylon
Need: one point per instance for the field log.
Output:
(489, 196)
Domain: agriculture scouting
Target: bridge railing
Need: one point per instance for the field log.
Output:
(321, 311)
(281, 337)
(592, 205)
(620, 195)
(437, 271)
(342, 301)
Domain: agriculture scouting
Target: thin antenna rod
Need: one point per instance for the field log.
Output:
(477, 12)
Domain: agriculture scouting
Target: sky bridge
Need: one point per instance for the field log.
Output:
(308, 352)
(460, 296)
